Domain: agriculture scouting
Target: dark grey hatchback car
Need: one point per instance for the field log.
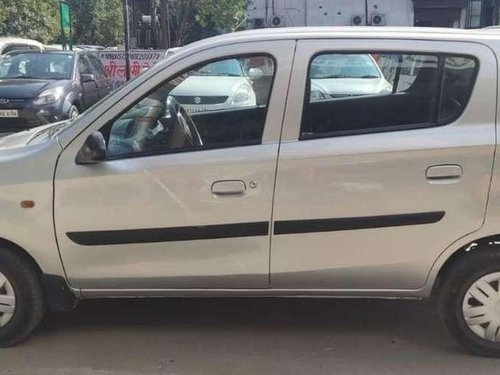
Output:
(38, 88)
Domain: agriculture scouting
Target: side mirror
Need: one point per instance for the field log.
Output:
(255, 73)
(93, 150)
(87, 77)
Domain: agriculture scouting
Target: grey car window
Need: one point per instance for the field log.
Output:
(84, 65)
(219, 104)
(97, 65)
(37, 65)
(365, 93)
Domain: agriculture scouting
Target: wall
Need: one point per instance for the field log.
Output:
(330, 12)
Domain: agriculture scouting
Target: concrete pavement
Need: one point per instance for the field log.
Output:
(244, 336)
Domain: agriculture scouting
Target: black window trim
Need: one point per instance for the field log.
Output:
(204, 148)
(384, 129)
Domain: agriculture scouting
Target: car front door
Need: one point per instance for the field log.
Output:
(102, 81)
(165, 210)
(381, 172)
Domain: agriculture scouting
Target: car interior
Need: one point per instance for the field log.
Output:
(157, 131)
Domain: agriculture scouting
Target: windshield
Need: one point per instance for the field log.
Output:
(37, 66)
(344, 66)
(228, 68)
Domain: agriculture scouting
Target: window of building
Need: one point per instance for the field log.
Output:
(362, 93)
(474, 13)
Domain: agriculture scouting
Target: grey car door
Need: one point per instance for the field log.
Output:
(102, 81)
(90, 90)
(372, 187)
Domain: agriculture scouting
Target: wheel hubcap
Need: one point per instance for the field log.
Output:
(7, 300)
(481, 307)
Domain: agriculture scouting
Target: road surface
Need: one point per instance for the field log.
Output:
(244, 336)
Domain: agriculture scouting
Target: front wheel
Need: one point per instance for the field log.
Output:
(21, 298)
(470, 302)
(73, 112)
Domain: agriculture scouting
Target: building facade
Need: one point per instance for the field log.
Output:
(432, 13)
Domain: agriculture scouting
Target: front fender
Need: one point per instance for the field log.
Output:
(27, 174)
(71, 99)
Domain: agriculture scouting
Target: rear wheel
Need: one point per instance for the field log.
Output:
(470, 302)
(21, 298)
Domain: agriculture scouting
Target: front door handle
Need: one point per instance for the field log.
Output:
(445, 173)
(228, 187)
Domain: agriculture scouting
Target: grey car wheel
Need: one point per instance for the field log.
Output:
(22, 303)
(470, 301)
(481, 307)
(7, 300)
(73, 112)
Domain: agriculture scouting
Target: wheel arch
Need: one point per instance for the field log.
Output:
(464, 251)
(72, 99)
(19, 250)
(57, 294)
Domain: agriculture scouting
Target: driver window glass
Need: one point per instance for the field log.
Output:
(217, 105)
(84, 66)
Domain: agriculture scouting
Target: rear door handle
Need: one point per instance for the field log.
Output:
(229, 187)
(445, 173)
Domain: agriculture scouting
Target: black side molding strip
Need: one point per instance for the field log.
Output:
(354, 223)
(206, 232)
(210, 232)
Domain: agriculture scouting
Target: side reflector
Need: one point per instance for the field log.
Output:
(27, 204)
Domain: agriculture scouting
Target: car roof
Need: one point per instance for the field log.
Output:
(369, 32)
(9, 40)
(42, 52)
(90, 47)
(485, 36)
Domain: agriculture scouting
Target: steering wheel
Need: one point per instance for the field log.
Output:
(184, 122)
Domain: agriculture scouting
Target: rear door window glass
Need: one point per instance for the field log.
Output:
(370, 92)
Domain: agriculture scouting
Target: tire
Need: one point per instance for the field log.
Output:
(20, 279)
(73, 112)
(468, 318)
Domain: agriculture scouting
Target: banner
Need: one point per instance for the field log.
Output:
(66, 29)
(140, 60)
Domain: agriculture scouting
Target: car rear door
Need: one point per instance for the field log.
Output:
(372, 187)
(168, 216)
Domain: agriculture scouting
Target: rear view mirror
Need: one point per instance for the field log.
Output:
(93, 150)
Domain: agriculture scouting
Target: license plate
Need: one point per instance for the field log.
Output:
(9, 113)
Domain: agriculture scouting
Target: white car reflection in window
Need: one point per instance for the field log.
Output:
(342, 75)
(216, 86)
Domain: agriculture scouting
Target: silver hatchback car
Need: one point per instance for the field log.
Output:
(386, 184)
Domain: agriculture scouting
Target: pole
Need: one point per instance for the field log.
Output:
(63, 37)
(168, 23)
(165, 25)
(71, 34)
(127, 39)
(366, 13)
